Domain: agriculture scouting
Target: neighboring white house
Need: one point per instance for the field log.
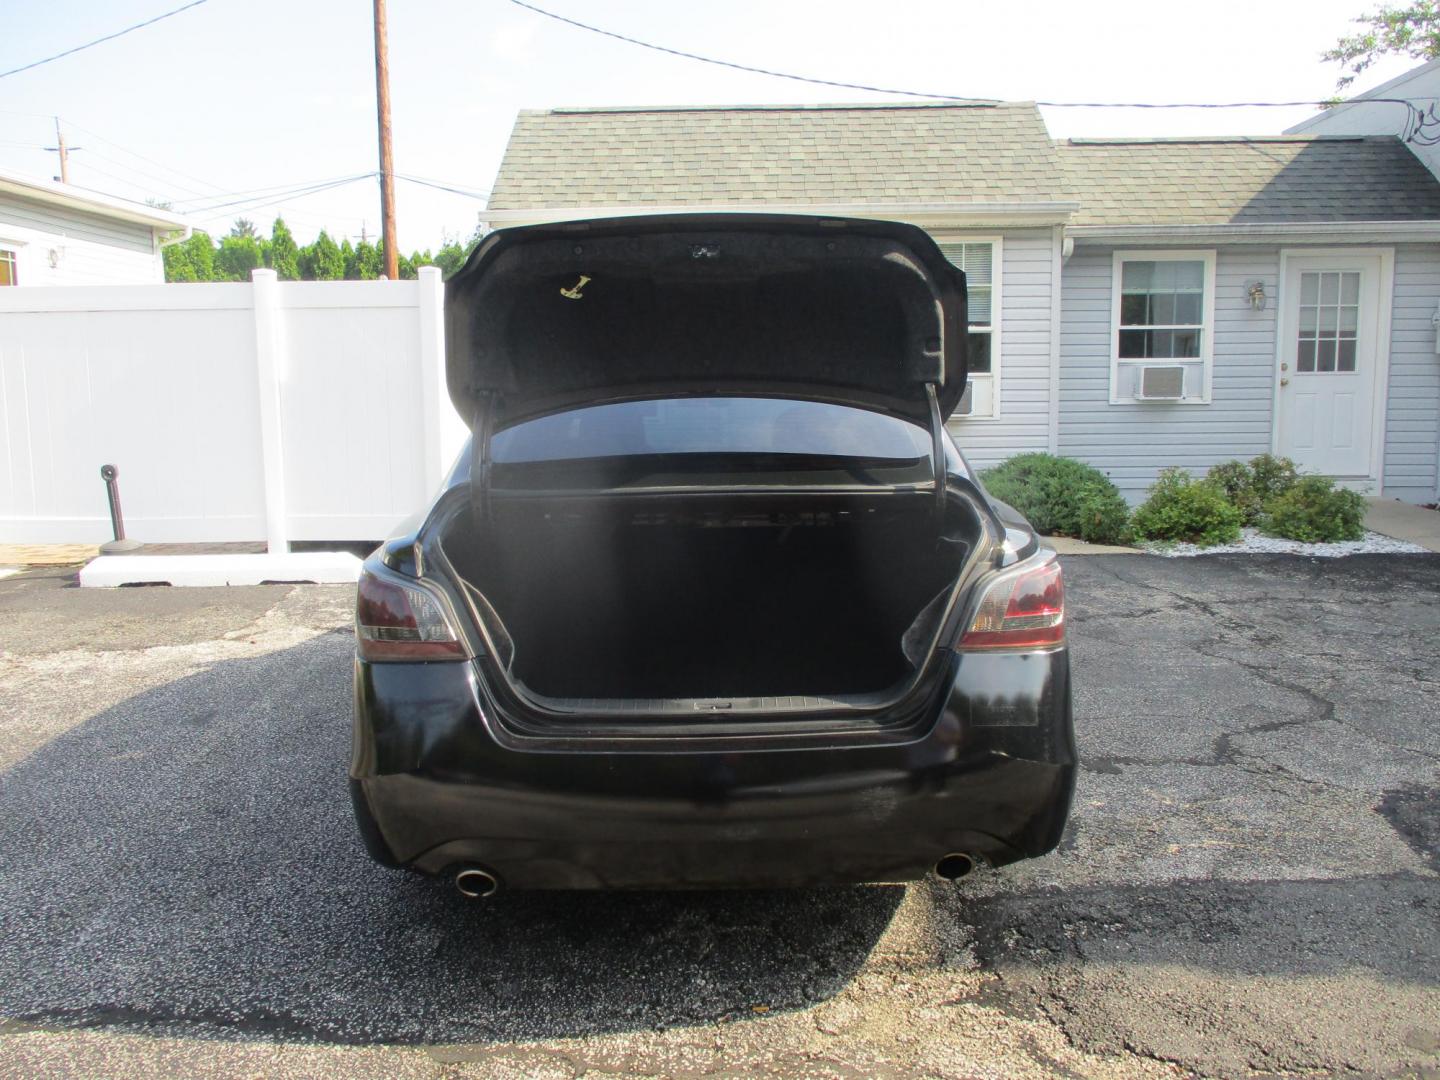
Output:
(1364, 115)
(59, 234)
(1135, 303)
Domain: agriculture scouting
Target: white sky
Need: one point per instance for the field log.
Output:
(239, 95)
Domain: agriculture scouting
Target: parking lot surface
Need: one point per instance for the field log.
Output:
(1251, 882)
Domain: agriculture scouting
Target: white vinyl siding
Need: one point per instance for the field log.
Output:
(1131, 444)
(60, 246)
(1181, 310)
(1412, 415)
(1020, 352)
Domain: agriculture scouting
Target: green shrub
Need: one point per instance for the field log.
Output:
(1062, 497)
(1272, 477)
(1314, 510)
(1252, 487)
(1182, 508)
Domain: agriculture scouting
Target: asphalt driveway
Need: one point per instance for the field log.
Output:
(1251, 883)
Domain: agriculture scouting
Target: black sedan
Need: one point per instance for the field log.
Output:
(711, 599)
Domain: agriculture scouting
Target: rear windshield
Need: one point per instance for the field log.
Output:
(711, 426)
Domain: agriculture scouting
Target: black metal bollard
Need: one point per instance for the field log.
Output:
(111, 475)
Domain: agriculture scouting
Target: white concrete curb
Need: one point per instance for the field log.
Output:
(319, 567)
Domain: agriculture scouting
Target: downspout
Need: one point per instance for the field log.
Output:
(1061, 247)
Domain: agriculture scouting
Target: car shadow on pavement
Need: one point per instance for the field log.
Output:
(187, 861)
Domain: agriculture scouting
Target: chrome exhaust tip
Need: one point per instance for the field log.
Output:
(476, 883)
(955, 866)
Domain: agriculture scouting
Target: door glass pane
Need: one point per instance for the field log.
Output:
(1350, 288)
(1325, 355)
(1329, 317)
(1329, 288)
(1345, 361)
(1309, 320)
(1305, 357)
(1309, 288)
(1349, 318)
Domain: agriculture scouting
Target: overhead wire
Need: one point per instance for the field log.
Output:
(1421, 126)
(101, 40)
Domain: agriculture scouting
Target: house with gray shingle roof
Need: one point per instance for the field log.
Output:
(1135, 303)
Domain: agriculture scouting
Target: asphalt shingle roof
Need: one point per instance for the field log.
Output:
(775, 155)
(1244, 180)
(947, 154)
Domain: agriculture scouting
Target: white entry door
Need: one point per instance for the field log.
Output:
(1330, 359)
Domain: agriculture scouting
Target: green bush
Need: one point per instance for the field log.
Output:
(1252, 487)
(1314, 510)
(1062, 497)
(1182, 508)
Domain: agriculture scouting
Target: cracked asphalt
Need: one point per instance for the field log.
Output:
(1250, 886)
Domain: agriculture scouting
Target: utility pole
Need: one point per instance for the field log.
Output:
(65, 152)
(387, 167)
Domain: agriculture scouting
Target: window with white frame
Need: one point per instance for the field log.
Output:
(980, 259)
(8, 271)
(1162, 327)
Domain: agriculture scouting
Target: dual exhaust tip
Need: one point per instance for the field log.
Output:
(477, 883)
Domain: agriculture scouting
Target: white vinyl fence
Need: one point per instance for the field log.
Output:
(273, 411)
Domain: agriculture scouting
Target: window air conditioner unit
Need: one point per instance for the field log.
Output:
(1160, 383)
(967, 401)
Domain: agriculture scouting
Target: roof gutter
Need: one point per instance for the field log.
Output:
(93, 202)
(926, 215)
(1257, 232)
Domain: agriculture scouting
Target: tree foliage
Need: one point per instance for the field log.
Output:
(283, 254)
(236, 257)
(1411, 30)
(243, 250)
(190, 260)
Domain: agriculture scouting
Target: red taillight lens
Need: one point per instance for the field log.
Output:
(403, 622)
(1022, 610)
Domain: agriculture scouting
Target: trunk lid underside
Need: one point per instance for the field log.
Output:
(859, 313)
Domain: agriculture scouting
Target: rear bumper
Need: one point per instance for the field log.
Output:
(437, 782)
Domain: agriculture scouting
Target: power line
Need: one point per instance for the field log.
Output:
(243, 193)
(440, 186)
(982, 102)
(243, 205)
(142, 157)
(102, 40)
(969, 101)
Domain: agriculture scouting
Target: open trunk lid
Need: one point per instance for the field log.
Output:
(860, 313)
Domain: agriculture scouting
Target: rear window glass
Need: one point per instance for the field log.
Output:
(711, 426)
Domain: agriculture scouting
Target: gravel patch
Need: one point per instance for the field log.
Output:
(1254, 542)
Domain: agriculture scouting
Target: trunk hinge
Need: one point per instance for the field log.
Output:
(480, 433)
(937, 447)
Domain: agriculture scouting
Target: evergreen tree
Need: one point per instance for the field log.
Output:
(283, 255)
(236, 257)
(322, 260)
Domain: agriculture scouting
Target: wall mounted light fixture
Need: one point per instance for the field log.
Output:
(1256, 291)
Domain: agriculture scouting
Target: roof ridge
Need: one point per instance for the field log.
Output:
(1202, 140)
(856, 106)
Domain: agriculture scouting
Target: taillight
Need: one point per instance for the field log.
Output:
(1021, 610)
(394, 621)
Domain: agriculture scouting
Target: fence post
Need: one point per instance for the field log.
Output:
(435, 395)
(270, 373)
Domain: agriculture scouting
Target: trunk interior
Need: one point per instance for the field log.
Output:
(722, 597)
